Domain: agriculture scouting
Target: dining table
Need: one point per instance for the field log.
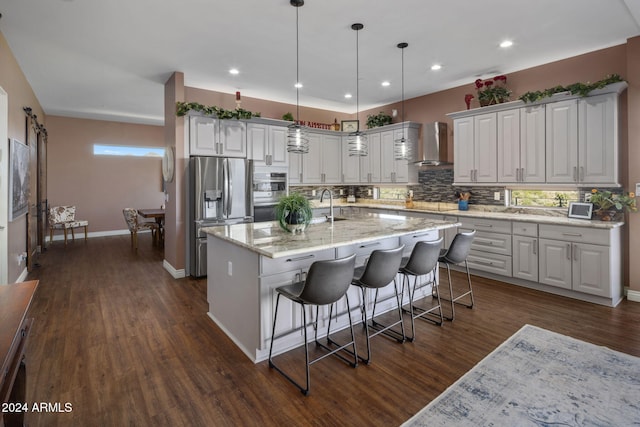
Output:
(158, 215)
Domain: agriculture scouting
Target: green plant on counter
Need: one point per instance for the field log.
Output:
(378, 120)
(581, 89)
(606, 200)
(294, 212)
(182, 108)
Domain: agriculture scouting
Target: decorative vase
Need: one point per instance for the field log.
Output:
(294, 222)
(607, 214)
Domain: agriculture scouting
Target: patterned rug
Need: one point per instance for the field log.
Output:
(541, 378)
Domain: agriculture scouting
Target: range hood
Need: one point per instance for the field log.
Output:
(433, 151)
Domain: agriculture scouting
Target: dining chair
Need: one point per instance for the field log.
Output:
(135, 226)
(64, 218)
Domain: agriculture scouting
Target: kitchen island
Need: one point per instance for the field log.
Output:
(247, 262)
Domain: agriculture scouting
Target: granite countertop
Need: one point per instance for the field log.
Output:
(536, 215)
(267, 238)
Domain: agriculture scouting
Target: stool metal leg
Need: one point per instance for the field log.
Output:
(426, 314)
(454, 300)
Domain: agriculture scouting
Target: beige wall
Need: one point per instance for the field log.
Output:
(20, 94)
(101, 186)
(633, 159)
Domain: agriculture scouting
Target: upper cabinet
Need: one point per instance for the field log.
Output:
(209, 136)
(563, 140)
(323, 163)
(267, 144)
(475, 148)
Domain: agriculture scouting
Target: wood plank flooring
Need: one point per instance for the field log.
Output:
(127, 345)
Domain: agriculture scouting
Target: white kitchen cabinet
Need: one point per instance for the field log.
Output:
(350, 164)
(582, 140)
(323, 163)
(598, 139)
(295, 168)
(475, 149)
(370, 165)
(521, 145)
(491, 246)
(585, 260)
(209, 136)
(394, 171)
(525, 251)
(267, 144)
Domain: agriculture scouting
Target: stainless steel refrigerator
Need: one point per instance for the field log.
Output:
(220, 193)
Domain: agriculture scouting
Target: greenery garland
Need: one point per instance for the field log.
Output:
(182, 108)
(581, 89)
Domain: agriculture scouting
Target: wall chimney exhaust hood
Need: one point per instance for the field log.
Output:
(433, 151)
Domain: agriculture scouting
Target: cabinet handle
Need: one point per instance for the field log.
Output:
(575, 173)
(342, 177)
(572, 234)
(581, 173)
(300, 258)
(575, 253)
(535, 247)
(483, 262)
(471, 175)
(269, 159)
(368, 245)
(521, 174)
(483, 225)
(417, 236)
(569, 251)
(300, 176)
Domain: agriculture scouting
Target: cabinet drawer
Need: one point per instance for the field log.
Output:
(491, 242)
(597, 236)
(492, 263)
(525, 229)
(365, 249)
(295, 262)
(410, 240)
(480, 224)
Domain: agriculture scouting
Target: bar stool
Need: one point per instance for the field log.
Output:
(381, 269)
(422, 261)
(326, 283)
(457, 253)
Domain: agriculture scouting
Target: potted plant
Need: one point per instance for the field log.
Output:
(294, 212)
(492, 91)
(378, 120)
(609, 205)
(288, 117)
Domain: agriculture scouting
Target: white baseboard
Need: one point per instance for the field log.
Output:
(23, 276)
(177, 274)
(80, 234)
(633, 295)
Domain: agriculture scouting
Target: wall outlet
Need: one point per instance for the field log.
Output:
(496, 195)
(229, 268)
(587, 197)
(313, 193)
(341, 192)
(369, 192)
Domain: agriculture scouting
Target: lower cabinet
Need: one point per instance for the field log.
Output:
(580, 267)
(491, 247)
(525, 251)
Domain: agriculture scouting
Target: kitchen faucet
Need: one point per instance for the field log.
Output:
(330, 203)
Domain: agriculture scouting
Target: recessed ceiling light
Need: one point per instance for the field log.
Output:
(298, 85)
(436, 67)
(234, 71)
(506, 43)
(386, 83)
(347, 95)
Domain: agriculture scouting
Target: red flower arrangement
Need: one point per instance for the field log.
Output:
(492, 91)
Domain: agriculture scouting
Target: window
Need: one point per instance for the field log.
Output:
(543, 198)
(126, 150)
(393, 193)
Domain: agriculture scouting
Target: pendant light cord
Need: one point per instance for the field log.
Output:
(358, 77)
(297, 69)
(403, 130)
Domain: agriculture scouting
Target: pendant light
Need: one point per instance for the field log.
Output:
(402, 145)
(357, 141)
(297, 138)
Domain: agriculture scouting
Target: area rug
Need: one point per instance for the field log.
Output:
(541, 378)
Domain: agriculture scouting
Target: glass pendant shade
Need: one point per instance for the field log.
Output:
(357, 141)
(358, 144)
(297, 139)
(402, 146)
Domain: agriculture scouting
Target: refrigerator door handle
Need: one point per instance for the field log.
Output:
(229, 189)
(225, 189)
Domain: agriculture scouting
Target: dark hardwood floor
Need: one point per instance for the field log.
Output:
(122, 341)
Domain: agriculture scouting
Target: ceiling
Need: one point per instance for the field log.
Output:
(110, 59)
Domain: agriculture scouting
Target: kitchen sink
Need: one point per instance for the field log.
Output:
(321, 219)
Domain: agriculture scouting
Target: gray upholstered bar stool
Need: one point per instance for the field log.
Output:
(422, 261)
(380, 271)
(457, 253)
(326, 283)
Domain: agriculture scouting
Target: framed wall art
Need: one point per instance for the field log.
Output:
(18, 179)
